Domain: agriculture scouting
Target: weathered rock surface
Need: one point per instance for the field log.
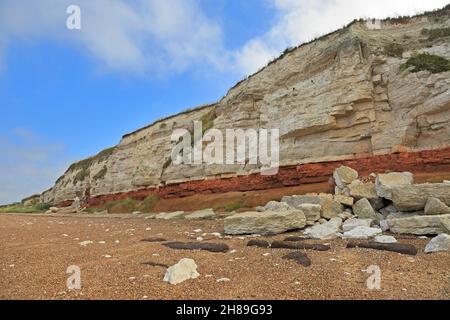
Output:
(339, 98)
(363, 209)
(385, 182)
(201, 214)
(415, 197)
(354, 223)
(439, 243)
(344, 176)
(435, 207)
(330, 207)
(326, 231)
(267, 222)
(345, 200)
(421, 225)
(184, 270)
(360, 190)
(361, 233)
(275, 206)
(312, 212)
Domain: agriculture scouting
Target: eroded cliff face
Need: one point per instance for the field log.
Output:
(342, 97)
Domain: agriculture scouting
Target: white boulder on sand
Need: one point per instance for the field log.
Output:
(201, 214)
(184, 270)
(439, 243)
(354, 223)
(385, 239)
(420, 225)
(326, 231)
(362, 233)
(267, 222)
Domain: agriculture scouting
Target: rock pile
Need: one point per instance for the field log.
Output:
(360, 209)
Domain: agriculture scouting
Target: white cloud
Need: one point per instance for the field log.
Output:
(122, 35)
(303, 20)
(28, 165)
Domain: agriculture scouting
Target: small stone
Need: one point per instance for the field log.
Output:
(132, 278)
(223, 280)
(385, 239)
(439, 243)
(85, 243)
(102, 242)
(107, 256)
(198, 230)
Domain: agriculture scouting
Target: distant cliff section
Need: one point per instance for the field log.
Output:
(375, 93)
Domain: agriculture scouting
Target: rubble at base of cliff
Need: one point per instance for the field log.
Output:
(362, 208)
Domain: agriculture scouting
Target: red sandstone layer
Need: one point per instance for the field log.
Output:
(433, 161)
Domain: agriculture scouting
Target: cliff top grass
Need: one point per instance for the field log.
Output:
(427, 62)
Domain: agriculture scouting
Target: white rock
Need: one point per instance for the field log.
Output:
(420, 225)
(223, 280)
(170, 215)
(54, 209)
(275, 206)
(362, 233)
(264, 222)
(385, 239)
(385, 182)
(354, 223)
(184, 270)
(324, 231)
(384, 225)
(201, 214)
(85, 243)
(439, 243)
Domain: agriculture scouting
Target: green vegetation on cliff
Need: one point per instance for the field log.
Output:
(427, 62)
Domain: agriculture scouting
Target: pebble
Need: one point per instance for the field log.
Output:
(199, 239)
(132, 278)
(198, 230)
(65, 235)
(107, 256)
(223, 280)
(148, 229)
(85, 243)
(102, 242)
(266, 254)
(232, 251)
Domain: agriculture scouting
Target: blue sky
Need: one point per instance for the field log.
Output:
(67, 94)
